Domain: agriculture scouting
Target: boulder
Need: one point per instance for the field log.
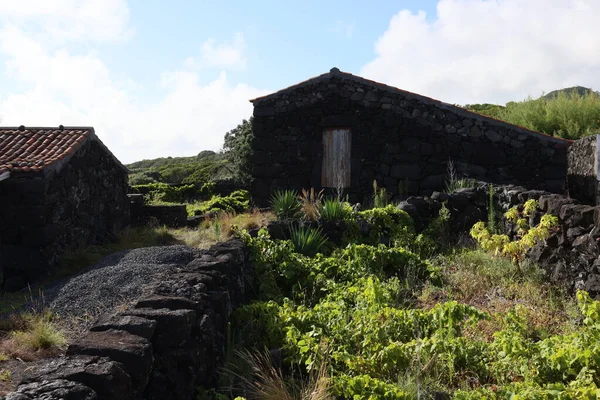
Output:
(107, 378)
(59, 389)
(133, 352)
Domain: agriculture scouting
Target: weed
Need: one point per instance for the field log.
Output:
(453, 183)
(380, 196)
(285, 204)
(5, 375)
(268, 382)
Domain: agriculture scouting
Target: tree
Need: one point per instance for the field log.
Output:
(238, 150)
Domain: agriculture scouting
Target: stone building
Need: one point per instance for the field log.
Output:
(341, 130)
(60, 189)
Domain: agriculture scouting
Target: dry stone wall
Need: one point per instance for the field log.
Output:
(167, 344)
(402, 140)
(582, 175)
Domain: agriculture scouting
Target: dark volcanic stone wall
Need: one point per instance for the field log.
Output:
(402, 140)
(82, 202)
(582, 178)
(169, 343)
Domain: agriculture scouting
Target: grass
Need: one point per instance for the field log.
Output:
(221, 228)
(267, 382)
(493, 284)
(29, 336)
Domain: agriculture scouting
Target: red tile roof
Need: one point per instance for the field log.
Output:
(33, 149)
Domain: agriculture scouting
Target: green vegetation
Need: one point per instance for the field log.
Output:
(409, 319)
(569, 113)
(380, 196)
(306, 240)
(285, 204)
(197, 170)
(528, 236)
(335, 210)
(238, 151)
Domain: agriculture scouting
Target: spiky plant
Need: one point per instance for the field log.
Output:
(333, 210)
(307, 240)
(285, 204)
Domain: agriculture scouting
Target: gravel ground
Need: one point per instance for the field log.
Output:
(115, 281)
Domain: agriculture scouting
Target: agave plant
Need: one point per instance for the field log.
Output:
(333, 210)
(307, 240)
(285, 204)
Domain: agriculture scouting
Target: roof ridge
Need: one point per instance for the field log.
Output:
(335, 72)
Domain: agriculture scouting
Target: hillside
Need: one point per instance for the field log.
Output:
(196, 170)
(570, 113)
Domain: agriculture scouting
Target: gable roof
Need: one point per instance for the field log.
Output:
(336, 73)
(42, 148)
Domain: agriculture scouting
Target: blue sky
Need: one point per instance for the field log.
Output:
(159, 78)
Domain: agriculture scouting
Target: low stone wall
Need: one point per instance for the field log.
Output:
(171, 215)
(170, 342)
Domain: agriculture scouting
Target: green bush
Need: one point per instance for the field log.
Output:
(388, 222)
(162, 192)
(236, 202)
(285, 204)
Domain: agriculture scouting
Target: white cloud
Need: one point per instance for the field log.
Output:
(230, 55)
(491, 51)
(70, 20)
(69, 87)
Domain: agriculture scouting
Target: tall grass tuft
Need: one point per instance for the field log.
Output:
(285, 204)
(307, 240)
(311, 203)
(40, 333)
(268, 382)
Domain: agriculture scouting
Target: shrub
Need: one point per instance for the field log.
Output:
(528, 236)
(237, 201)
(285, 204)
(388, 222)
(307, 240)
(335, 210)
(162, 192)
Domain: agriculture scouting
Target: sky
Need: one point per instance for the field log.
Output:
(159, 78)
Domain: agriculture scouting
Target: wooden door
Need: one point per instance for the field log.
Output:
(335, 172)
